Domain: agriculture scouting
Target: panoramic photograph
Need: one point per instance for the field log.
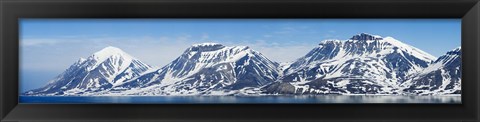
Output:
(240, 61)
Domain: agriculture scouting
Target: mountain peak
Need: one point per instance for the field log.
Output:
(206, 44)
(202, 47)
(456, 51)
(366, 36)
(110, 51)
(331, 41)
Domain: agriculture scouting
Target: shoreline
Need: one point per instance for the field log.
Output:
(368, 95)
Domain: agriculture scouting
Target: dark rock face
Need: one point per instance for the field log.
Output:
(355, 86)
(279, 88)
(365, 36)
(205, 47)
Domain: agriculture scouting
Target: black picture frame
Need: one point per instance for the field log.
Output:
(12, 10)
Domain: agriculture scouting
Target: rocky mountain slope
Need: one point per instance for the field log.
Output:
(363, 64)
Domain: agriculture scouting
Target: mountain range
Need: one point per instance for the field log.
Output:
(363, 64)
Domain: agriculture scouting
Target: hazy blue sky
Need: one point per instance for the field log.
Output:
(49, 46)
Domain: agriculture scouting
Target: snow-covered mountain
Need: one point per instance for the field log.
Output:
(442, 77)
(208, 68)
(104, 69)
(364, 64)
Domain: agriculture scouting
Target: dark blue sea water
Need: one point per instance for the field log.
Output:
(240, 99)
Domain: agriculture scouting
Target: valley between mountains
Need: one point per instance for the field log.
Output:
(365, 64)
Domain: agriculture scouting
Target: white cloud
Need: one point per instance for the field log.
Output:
(156, 51)
(286, 30)
(276, 51)
(204, 37)
(183, 38)
(284, 53)
(38, 42)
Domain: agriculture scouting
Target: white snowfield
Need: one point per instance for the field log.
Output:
(363, 65)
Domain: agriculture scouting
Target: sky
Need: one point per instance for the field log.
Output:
(49, 46)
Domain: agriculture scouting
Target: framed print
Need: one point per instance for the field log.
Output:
(227, 60)
(237, 61)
